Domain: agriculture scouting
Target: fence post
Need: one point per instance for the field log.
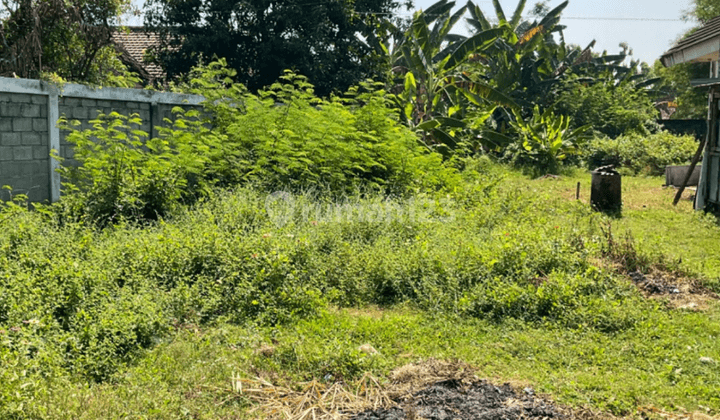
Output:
(54, 138)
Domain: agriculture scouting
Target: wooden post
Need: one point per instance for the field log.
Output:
(710, 141)
(694, 162)
(577, 192)
(712, 104)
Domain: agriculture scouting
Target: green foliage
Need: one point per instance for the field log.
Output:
(460, 93)
(691, 103)
(535, 67)
(527, 62)
(80, 306)
(260, 39)
(285, 137)
(87, 302)
(641, 154)
(436, 97)
(70, 39)
(608, 108)
(704, 10)
(653, 365)
(123, 174)
(545, 140)
(106, 70)
(464, 98)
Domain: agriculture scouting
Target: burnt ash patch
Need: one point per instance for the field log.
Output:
(480, 400)
(676, 291)
(654, 285)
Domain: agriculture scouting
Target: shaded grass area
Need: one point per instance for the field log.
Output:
(152, 321)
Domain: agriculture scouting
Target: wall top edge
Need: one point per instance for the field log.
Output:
(13, 85)
(38, 87)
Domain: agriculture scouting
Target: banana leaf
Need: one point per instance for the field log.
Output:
(474, 44)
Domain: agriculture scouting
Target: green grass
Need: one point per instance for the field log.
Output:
(661, 230)
(656, 364)
(504, 273)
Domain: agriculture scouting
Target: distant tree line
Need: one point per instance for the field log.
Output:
(513, 88)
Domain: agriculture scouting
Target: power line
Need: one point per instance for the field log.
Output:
(623, 18)
(312, 3)
(600, 18)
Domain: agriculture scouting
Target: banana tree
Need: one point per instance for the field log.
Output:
(434, 92)
(545, 139)
(531, 66)
(524, 63)
(480, 23)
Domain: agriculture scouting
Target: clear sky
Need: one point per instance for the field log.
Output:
(650, 27)
(654, 27)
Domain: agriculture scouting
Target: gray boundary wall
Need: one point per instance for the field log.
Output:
(29, 111)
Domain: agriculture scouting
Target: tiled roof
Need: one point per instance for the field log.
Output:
(710, 30)
(135, 41)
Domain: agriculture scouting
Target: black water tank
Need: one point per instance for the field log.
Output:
(606, 189)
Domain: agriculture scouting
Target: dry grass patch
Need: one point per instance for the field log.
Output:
(311, 400)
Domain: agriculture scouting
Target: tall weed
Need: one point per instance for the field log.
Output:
(641, 154)
(283, 138)
(124, 174)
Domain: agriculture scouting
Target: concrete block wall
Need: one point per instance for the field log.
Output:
(29, 110)
(24, 145)
(86, 110)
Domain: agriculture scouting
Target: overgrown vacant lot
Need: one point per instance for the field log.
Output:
(510, 275)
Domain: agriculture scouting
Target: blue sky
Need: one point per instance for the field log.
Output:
(648, 38)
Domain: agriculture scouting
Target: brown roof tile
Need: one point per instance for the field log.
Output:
(136, 42)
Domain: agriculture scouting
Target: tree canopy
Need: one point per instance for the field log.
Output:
(261, 38)
(70, 38)
(704, 10)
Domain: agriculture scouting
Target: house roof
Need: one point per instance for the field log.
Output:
(702, 45)
(133, 42)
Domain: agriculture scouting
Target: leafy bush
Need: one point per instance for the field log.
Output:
(611, 110)
(123, 173)
(77, 301)
(284, 138)
(642, 154)
(544, 141)
(116, 291)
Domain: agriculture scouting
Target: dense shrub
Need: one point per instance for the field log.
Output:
(284, 138)
(641, 154)
(125, 174)
(287, 138)
(610, 109)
